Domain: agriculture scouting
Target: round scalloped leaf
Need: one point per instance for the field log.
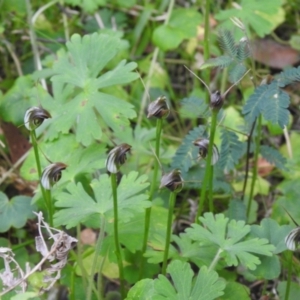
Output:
(14, 212)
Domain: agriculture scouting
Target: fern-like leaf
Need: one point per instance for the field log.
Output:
(243, 51)
(220, 61)
(288, 76)
(236, 72)
(276, 105)
(187, 153)
(271, 102)
(227, 43)
(231, 150)
(194, 107)
(273, 156)
(255, 103)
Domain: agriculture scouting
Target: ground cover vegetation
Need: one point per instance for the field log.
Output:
(149, 149)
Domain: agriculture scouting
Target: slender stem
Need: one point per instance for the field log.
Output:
(116, 233)
(206, 49)
(95, 260)
(152, 67)
(46, 194)
(247, 160)
(36, 54)
(289, 278)
(215, 260)
(169, 231)
(208, 175)
(65, 23)
(152, 190)
(256, 153)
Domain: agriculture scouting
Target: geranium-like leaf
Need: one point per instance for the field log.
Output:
(79, 205)
(206, 285)
(229, 238)
(77, 84)
(15, 212)
(262, 16)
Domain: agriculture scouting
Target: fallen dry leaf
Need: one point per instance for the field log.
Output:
(273, 54)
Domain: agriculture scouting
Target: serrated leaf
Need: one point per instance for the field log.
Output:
(236, 72)
(81, 106)
(273, 156)
(262, 15)
(275, 107)
(78, 205)
(288, 76)
(187, 153)
(254, 104)
(232, 149)
(227, 43)
(228, 236)
(206, 285)
(222, 61)
(271, 102)
(194, 107)
(15, 211)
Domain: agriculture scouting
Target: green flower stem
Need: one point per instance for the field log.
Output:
(46, 194)
(32, 35)
(256, 153)
(116, 232)
(247, 160)
(289, 278)
(208, 176)
(152, 190)
(95, 260)
(169, 231)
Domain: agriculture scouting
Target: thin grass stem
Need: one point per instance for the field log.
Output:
(255, 161)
